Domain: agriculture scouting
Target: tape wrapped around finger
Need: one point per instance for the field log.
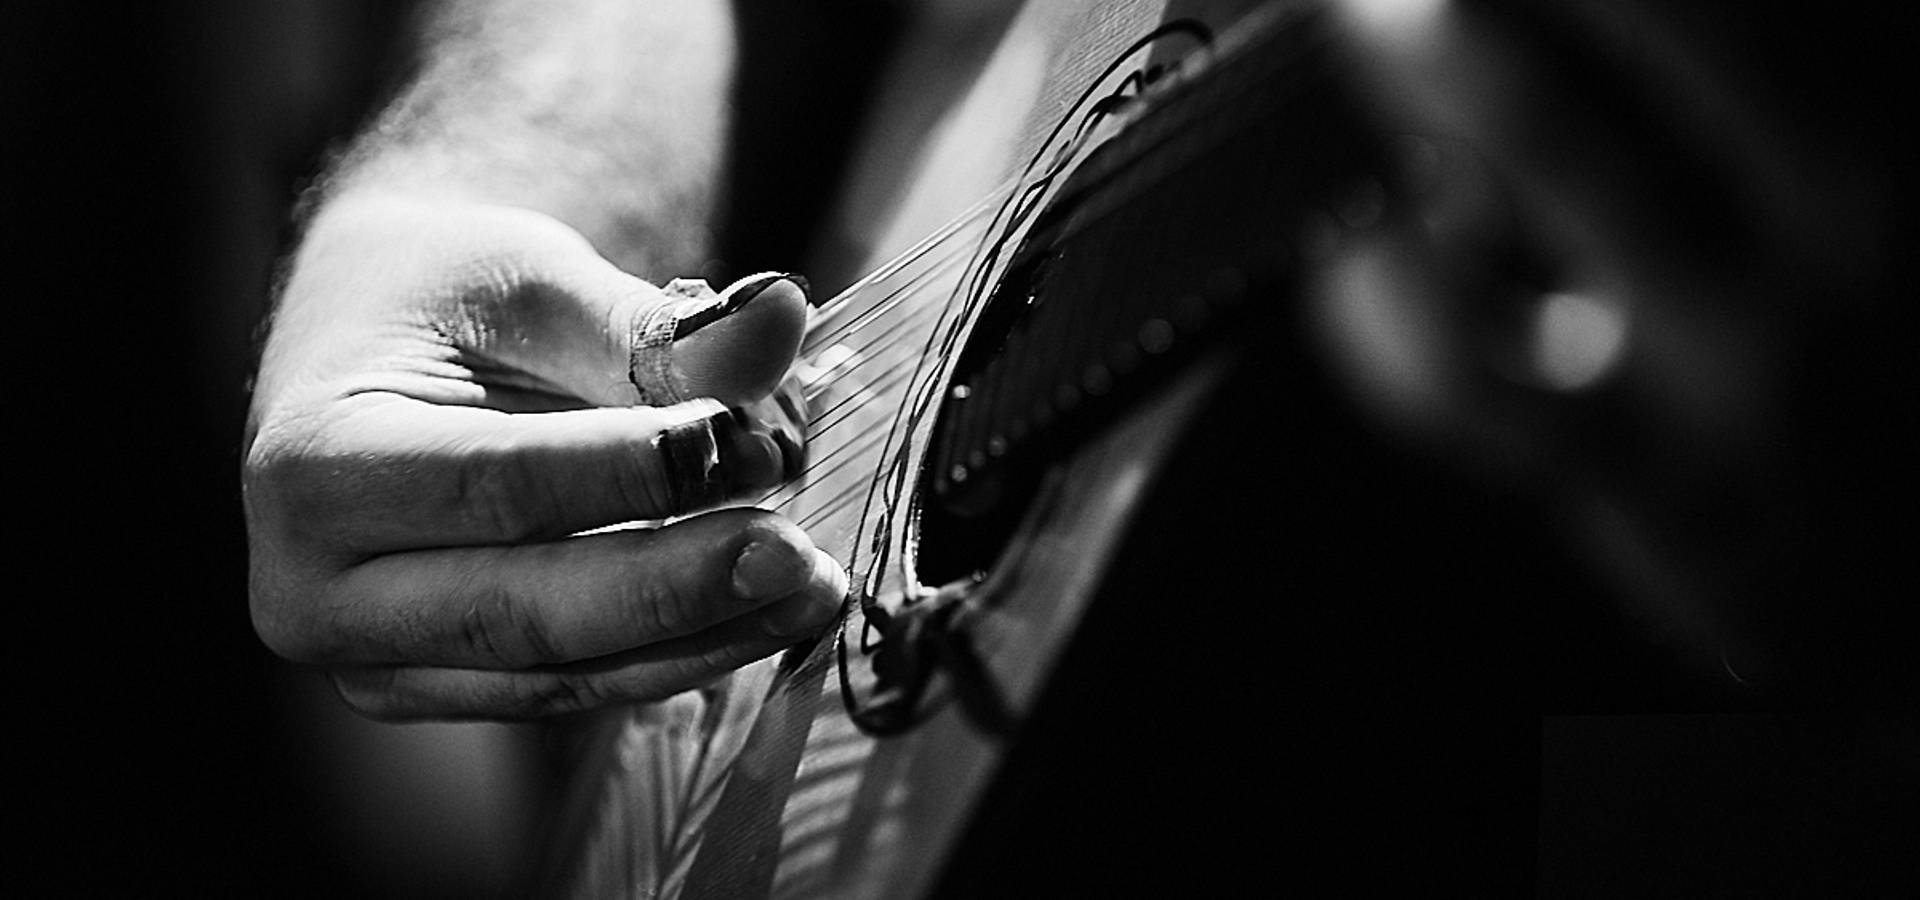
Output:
(650, 340)
(686, 306)
(693, 459)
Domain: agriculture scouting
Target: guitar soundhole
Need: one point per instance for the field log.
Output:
(1160, 245)
(1178, 237)
(1062, 348)
(982, 464)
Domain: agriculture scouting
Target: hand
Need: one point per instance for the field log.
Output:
(448, 399)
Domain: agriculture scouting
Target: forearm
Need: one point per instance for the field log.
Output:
(610, 115)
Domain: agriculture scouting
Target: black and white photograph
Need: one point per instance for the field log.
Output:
(948, 449)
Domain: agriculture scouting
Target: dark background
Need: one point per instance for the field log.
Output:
(151, 155)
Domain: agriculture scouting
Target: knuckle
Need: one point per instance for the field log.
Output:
(305, 481)
(282, 490)
(498, 626)
(275, 628)
(657, 608)
(569, 691)
(280, 606)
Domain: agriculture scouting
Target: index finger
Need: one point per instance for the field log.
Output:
(393, 473)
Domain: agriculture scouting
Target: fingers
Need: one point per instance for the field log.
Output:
(783, 416)
(529, 305)
(556, 602)
(739, 349)
(420, 467)
(647, 673)
(627, 341)
(392, 473)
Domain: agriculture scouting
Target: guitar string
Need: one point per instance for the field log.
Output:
(837, 456)
(881, 344)
(1031, 197)
(974, 288)
(895, 474)
(848, 700)
(1024, 205)
(846, 315)
(883, 303)
(981, 261)
(841, 307)
(890, 480)
(824, 421)
(940, 239)
(1029, 200)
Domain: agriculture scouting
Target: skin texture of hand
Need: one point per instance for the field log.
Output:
(444, 406)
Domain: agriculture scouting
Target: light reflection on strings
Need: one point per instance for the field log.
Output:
(872, 303)
(1023, 198)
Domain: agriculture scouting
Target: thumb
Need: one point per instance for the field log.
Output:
(603, 335)
(734, 346)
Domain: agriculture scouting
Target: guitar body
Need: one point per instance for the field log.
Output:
(1093, 495)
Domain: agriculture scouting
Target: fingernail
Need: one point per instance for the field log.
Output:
(753, 288)
(816, 609)
(736, 300)
(764, 571)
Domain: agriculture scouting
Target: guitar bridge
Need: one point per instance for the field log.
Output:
(924, 653)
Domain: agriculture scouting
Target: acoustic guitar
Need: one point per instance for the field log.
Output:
(1054, 663)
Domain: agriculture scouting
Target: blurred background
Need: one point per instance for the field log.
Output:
(151, 156)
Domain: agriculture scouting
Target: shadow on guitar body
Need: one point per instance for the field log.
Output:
(1314, 662)
(1324, 664)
